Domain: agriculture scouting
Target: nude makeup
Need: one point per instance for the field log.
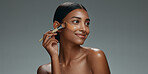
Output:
(78, 33)
(83, 36)
(70, 27)
(53, 31)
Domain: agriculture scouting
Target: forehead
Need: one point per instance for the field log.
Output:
(78, 13)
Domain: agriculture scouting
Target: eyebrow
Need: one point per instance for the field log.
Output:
(88, 19)
(80, 18)
(76, 17)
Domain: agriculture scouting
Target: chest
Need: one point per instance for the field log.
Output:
(79, 67)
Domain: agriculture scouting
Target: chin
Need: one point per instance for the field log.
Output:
(80, 42)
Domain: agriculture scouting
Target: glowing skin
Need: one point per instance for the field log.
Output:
(73, 58)
(76, 26)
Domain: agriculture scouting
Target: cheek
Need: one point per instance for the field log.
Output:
(75, 28)
(72, 27)
(87, 31)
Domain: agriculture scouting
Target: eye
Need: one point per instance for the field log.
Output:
(87, 23)
(75, 21)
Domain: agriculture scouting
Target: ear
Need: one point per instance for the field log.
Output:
(56, 24)
(63, 25)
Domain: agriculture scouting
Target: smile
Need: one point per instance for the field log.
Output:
(81, 36)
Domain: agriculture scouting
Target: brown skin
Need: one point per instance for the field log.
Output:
(73, 58)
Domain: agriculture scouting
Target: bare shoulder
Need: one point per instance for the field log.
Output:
(44, 69)
(97, 61)
(95, 52)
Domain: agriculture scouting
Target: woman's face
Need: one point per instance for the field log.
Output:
(76, 26)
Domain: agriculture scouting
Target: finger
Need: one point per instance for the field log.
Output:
(47, 37)
(53, 37)
(48, 32)
(50, 42)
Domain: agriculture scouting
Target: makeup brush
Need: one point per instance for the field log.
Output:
(53, 31)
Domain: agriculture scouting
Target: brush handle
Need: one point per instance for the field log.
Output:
(53, 31)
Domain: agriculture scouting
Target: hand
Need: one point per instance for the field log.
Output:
(50, 44)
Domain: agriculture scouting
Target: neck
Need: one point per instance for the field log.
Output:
(68, 52)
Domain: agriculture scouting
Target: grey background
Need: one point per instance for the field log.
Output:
(118, 27)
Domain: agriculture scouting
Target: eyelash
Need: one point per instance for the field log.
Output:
(87, 23)
(77, 22)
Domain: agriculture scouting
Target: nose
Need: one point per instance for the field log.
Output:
(82, 27)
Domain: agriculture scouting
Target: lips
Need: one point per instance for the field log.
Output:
(83, 36)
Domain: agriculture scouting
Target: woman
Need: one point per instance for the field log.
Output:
(73, 58)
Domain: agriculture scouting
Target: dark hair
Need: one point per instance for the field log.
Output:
(62, 10)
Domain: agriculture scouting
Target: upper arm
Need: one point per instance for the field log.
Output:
(98, 63)
(42, 70)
